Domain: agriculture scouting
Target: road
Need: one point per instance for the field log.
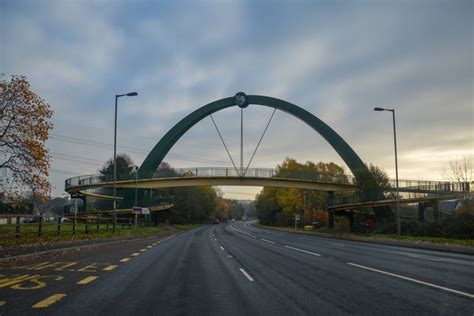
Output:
(240, 269)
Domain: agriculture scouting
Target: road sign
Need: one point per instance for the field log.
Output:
(136, 210)
(297, 217)
(145, 211)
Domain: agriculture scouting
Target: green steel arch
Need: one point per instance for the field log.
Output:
(156, 156)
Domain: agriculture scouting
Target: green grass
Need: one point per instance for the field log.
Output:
(186, 226)
(325, 231)
(49, 235)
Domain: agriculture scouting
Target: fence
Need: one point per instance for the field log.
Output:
(16, 226)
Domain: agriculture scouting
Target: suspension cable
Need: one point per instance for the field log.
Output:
(263, 134)
(223, 143)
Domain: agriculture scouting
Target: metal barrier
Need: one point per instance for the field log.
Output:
(19, 225)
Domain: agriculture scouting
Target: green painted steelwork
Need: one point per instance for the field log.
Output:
(158, 153)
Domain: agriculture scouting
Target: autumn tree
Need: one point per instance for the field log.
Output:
(278, 205)
(25, 122)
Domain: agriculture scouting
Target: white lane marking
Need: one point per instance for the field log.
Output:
(229, 256)
(252, 236)
(268, 241)
(305, 251)
(336, 244)
(413, 280)
(423, 257)
(246, 275)
(222, 248)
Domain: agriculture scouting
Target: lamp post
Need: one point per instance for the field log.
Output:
(130, 94)
(396, 166)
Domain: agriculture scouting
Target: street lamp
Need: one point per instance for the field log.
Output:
(396, 166)
(130, 94)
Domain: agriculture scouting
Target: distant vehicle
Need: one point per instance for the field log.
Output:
(315, 223)
(30, 219)
(215, 221)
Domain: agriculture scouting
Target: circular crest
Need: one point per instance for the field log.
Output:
(240, 99)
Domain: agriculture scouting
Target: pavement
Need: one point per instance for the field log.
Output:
(240, 269)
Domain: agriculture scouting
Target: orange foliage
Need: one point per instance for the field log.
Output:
(24, 129)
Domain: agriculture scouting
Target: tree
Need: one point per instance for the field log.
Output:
(24, 128)
(280, 204)
(461, 170)
(125, 168)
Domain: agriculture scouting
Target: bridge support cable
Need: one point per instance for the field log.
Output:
(260, 140)
(241, 142)
(223, 143)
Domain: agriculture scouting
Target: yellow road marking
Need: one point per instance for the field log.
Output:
(49, 301)
(88, 279)
(14, 279)
(2, 303)
(149, 247)
(111, 267)
(135, 254)
(125, 260)
(142, 250)
(35, 282)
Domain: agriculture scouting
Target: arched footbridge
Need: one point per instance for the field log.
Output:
(147, 178)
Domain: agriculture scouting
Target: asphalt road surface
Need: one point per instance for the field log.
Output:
(240, 269)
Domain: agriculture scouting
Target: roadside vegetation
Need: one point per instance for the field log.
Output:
(277, 207)
(31, 238)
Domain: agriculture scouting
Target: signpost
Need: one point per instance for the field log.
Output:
(297, 218)
(140, 210)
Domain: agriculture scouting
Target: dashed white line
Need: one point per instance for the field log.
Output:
(252, 236)
(246, 275)
(222, 248)
(268, 241)
(302, 250)
(413, 280)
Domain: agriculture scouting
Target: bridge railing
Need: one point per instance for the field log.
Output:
(218, 173)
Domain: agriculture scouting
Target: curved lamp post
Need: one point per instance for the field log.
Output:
(396, 166)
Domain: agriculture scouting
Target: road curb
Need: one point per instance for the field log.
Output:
(443, 248)
(91, 245)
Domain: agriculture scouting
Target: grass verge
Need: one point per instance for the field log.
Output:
(186, 226)
(49, 238)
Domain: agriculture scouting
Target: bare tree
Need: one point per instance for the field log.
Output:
(461, 170)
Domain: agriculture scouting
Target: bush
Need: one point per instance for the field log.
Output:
(455, 226)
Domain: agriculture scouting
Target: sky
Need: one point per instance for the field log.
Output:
(336, 59)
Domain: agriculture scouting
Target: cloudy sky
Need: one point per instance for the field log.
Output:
(336, 59)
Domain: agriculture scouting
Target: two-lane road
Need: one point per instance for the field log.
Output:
(240, 269)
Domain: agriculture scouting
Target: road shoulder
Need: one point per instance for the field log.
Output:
(392, 242)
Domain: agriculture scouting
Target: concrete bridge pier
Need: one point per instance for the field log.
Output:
(435, 206)
(421, 211)
(330, 212)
